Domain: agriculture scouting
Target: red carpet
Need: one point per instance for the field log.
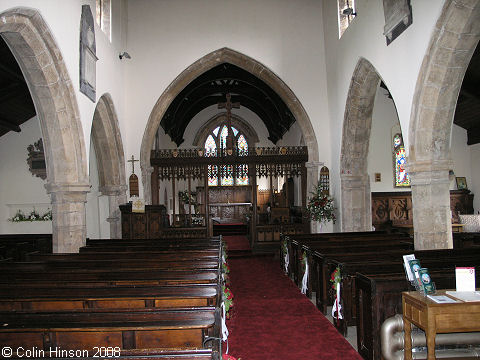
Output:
(271, 319)
(237, 242)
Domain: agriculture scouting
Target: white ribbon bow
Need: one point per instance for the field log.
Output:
(305, 279)
(286, 261)
(336, 305)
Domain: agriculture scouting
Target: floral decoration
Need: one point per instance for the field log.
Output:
(227, 299)
(32, 216)
(183, 195)
(320, 206)
(335, 278)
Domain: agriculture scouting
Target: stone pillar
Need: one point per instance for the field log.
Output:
(68, 216)
(432, 217)
(356, 203)
(313, 169)
(147, 183)
(116, 196)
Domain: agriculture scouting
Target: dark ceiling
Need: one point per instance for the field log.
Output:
(467, 113)
(211, 87)
(16, 105)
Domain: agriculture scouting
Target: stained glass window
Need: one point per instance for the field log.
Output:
(400, 158)
(226, 175)
(212, 175)
(242, 146)
(210, 146)
(223, 137)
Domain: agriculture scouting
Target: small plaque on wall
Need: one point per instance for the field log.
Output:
(36, 160)
(378, 177)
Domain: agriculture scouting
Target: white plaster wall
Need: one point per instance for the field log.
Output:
(97, 210)
(462, 157)
(19, 189)
(474, 181)
(165, 37)
(397, 64)
(380, 157)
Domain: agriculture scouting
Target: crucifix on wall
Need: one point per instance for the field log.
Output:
(133, 179)
(228, 105)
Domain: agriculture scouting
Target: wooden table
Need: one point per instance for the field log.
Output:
(436, 318)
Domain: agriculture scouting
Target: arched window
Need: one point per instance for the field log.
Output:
(216, 145)
(400, 161)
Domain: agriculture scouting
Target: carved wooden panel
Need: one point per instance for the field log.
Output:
(380, 213)
(396, 207)
(139, 226)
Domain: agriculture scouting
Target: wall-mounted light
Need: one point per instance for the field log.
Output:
(125, 55)
(349, 11)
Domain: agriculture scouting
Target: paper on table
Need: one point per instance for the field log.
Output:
(441, 299)
(465, 278)
(467, 296)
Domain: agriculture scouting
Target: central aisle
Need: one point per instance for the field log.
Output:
(271, 319)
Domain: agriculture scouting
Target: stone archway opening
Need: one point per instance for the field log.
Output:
(109, 153)
(226, 55)
(355, 184)
(30, 40)
(453, 42)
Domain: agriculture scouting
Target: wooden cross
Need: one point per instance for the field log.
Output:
(133, 164)
(228, 105)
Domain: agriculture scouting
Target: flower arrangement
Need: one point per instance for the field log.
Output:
(32, 216)
(320, 206)
(227, 299)
(335, 278)
(183, 195)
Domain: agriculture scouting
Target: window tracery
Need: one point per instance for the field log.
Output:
(215, 145)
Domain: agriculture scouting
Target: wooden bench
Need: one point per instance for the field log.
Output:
(15, 298)
(128, 330)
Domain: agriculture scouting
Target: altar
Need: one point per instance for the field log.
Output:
(230, 212)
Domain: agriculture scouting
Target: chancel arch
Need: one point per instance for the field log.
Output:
(245, 63)
(355, 185)
(452, 44)
(30, 40)
(108, 148)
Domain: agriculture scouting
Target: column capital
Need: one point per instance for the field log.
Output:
(313, 164)
(114, 190)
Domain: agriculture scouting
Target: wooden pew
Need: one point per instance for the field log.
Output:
(129, 330)
(15, 298)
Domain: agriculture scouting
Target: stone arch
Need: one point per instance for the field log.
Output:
(237, 122)
(199, 67)
(108, 145)
(30, 40)
(355, 184)
(453, 42)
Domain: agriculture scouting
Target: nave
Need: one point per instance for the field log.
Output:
(271, 319)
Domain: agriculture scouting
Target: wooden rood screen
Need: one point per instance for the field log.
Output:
(187, 173)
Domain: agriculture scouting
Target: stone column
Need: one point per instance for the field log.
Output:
(313, 169)
(68, 216)
(116, 196)
(356, 203)
(432, 217)
(147, 183)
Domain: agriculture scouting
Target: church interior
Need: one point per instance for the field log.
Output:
(176, 176)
